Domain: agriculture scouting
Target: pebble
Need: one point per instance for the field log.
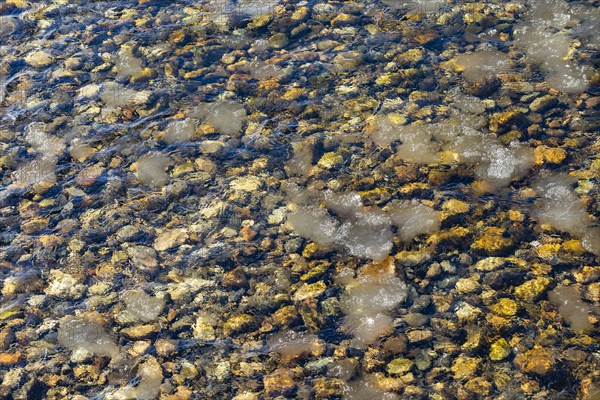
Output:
(419, 335)
(538, 360)
(399, 366)
(39, 59)
(453, 207)
(235, 278)
(499, 350)
(170, 239)
(505, 307)
(308, 291)
(281, 382)
(480, 386)
(237, 324)
(165, 347)
(542, 103)
(468, 285)
(290, 80)
(330, 160)
(246, 183)
(490, 264)
(10, 358)
(143, 257)
(128, 233)
(278, 40)
(492, 241)
(211, 146)
(64, 285)
(532, 289)
(465, 367)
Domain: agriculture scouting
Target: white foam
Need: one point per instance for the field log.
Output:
(482, 64)
(151, 169)
(225, 116)
(572, 308)
(142, 306)
(180, 131)
(559, 205)
(346, 224)
(560, 208)
(367, 301)
(86, 333)
(546, 41)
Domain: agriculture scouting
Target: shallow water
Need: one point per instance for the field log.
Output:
(248, 200)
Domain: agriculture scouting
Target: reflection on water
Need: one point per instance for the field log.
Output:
(260, 199)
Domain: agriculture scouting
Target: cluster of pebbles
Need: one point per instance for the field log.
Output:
(314, 199)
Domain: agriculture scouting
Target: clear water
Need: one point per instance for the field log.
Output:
(253, 199)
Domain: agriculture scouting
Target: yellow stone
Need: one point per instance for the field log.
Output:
(285, 315)
(548, 250)
(399, 366)
(6, 314)
(187, 166)
(141, 21)
(505, 307)
(455, 233)
(412, 55)
(310, 250)
(411, 187)
(499, 350)
(497, 321)
(537, 361)
(260, 21)
(465, 367)
(237, 323)
(454, 206)
(388, 79)
(279, 382)
(308, 291)
(530, 290)
(51, 240)
(492, 240)
(552, 155)
(177, 36)
(480, 386)
(194, 74)
(452, 66)
(18, 3)
(330, 160)
(471, 18)
(573, 246)
(516, 216)
(468, 285)
(502, 119)
(300, 13)
(397, 119)
(10, 358)
(449, 157)
(293, 94)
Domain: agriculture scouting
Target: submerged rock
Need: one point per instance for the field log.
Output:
(38, 58)
(64, 285)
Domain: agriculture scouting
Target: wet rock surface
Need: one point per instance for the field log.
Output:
(330, 199)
